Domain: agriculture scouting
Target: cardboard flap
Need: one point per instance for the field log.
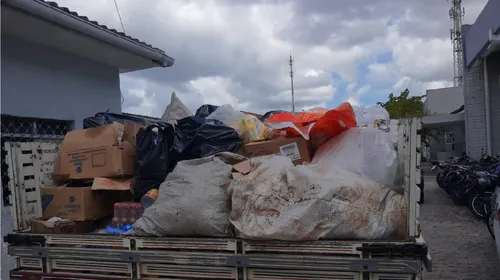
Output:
(243, 167)
(112, 184)
(130, 132)
(106, 135)
(47, 224)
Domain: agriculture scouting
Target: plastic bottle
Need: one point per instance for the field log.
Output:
(149, 198)
(117, 214)
(133, 212)
(125, 213)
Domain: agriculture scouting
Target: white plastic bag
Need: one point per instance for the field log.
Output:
(247, 126)
(368, 152)
(366, 116)
(176, 110)
(280, 201)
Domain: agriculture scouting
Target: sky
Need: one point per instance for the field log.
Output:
(236, 51)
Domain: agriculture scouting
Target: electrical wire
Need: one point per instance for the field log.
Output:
(123, 27)
(119, 16)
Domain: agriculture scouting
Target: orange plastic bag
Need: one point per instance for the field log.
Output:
(317, 125)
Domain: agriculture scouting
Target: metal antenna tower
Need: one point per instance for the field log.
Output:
(456, 15)
(291, 81)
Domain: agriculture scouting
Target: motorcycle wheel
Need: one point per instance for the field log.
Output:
(476, 204)
(490, 220)
(457, 196)
(439, 179)
(447, 183)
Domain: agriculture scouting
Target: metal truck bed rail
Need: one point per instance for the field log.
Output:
(110, 257)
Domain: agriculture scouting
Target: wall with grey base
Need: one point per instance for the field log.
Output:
(42, 82)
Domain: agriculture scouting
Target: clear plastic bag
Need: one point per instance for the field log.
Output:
(368, 152)
(249, 127)
(367, 116)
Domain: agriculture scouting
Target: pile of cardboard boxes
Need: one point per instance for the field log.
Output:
(95, 169)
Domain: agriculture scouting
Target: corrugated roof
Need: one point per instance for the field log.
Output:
(142, 116)
(95, 23)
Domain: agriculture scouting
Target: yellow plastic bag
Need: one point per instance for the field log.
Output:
(249, 127)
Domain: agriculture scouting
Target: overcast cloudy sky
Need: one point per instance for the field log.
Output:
(236, 51)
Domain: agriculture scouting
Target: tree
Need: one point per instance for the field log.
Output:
(404, 106)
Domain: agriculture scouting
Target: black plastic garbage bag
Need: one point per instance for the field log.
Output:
(205, 110)
(152, 157)
(105, 118)
(270, 113)
(196, 138)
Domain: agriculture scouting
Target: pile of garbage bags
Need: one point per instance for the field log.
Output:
(347, 191)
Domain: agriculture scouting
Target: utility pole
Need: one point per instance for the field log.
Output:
(456, 14)
(291, 82)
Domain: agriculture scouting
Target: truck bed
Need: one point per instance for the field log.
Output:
(115, 257)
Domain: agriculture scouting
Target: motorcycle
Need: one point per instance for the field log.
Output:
(490, 216)
(463, 180)
(479, 195)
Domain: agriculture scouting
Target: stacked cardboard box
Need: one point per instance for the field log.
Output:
(94, 169)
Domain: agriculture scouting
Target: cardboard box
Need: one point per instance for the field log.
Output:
(296, 148)
(95, 152)
(62, 227)
(77, 203)
(130, 132)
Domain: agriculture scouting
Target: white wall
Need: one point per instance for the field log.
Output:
(42, 82)
(444, 100)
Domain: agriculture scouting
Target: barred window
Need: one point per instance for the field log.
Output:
(20, 129)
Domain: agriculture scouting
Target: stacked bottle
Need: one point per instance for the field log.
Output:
(126, 213)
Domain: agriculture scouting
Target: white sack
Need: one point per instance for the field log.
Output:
(394, 126)
(176, 110)
(278, 200)
(368, 152)
(193, 200)
(366, 116)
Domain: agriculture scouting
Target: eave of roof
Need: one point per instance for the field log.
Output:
(51, 11)
(95, 23)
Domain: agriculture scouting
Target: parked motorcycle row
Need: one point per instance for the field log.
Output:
(472, 183)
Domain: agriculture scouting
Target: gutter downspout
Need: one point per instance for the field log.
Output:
(46, 11)
(487, 105)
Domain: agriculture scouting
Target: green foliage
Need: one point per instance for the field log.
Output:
(404, 106)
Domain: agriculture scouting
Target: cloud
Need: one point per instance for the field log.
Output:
(237, 51)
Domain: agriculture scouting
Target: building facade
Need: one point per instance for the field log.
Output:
(59, 67)
(446, 114)
(481, 84)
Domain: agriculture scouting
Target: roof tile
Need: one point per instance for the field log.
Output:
(121, 34)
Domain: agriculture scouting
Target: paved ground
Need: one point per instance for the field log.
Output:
(461, 246)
